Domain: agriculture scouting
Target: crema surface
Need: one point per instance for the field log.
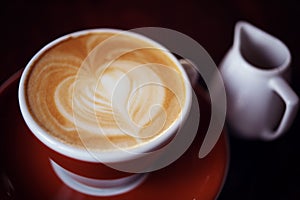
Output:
(105, 91)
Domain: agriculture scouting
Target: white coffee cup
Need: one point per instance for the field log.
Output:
(89, 185)
(256, 71)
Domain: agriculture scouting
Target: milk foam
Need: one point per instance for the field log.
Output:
(100, 91)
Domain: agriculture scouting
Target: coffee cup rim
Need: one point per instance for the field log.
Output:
(106, 156)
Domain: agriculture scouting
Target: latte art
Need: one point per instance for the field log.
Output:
(104, 91)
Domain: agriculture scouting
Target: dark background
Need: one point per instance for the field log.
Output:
(258, 170)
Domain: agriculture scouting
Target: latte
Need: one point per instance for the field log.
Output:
(104, 91)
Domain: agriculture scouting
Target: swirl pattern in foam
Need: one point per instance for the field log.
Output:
(103, 91)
